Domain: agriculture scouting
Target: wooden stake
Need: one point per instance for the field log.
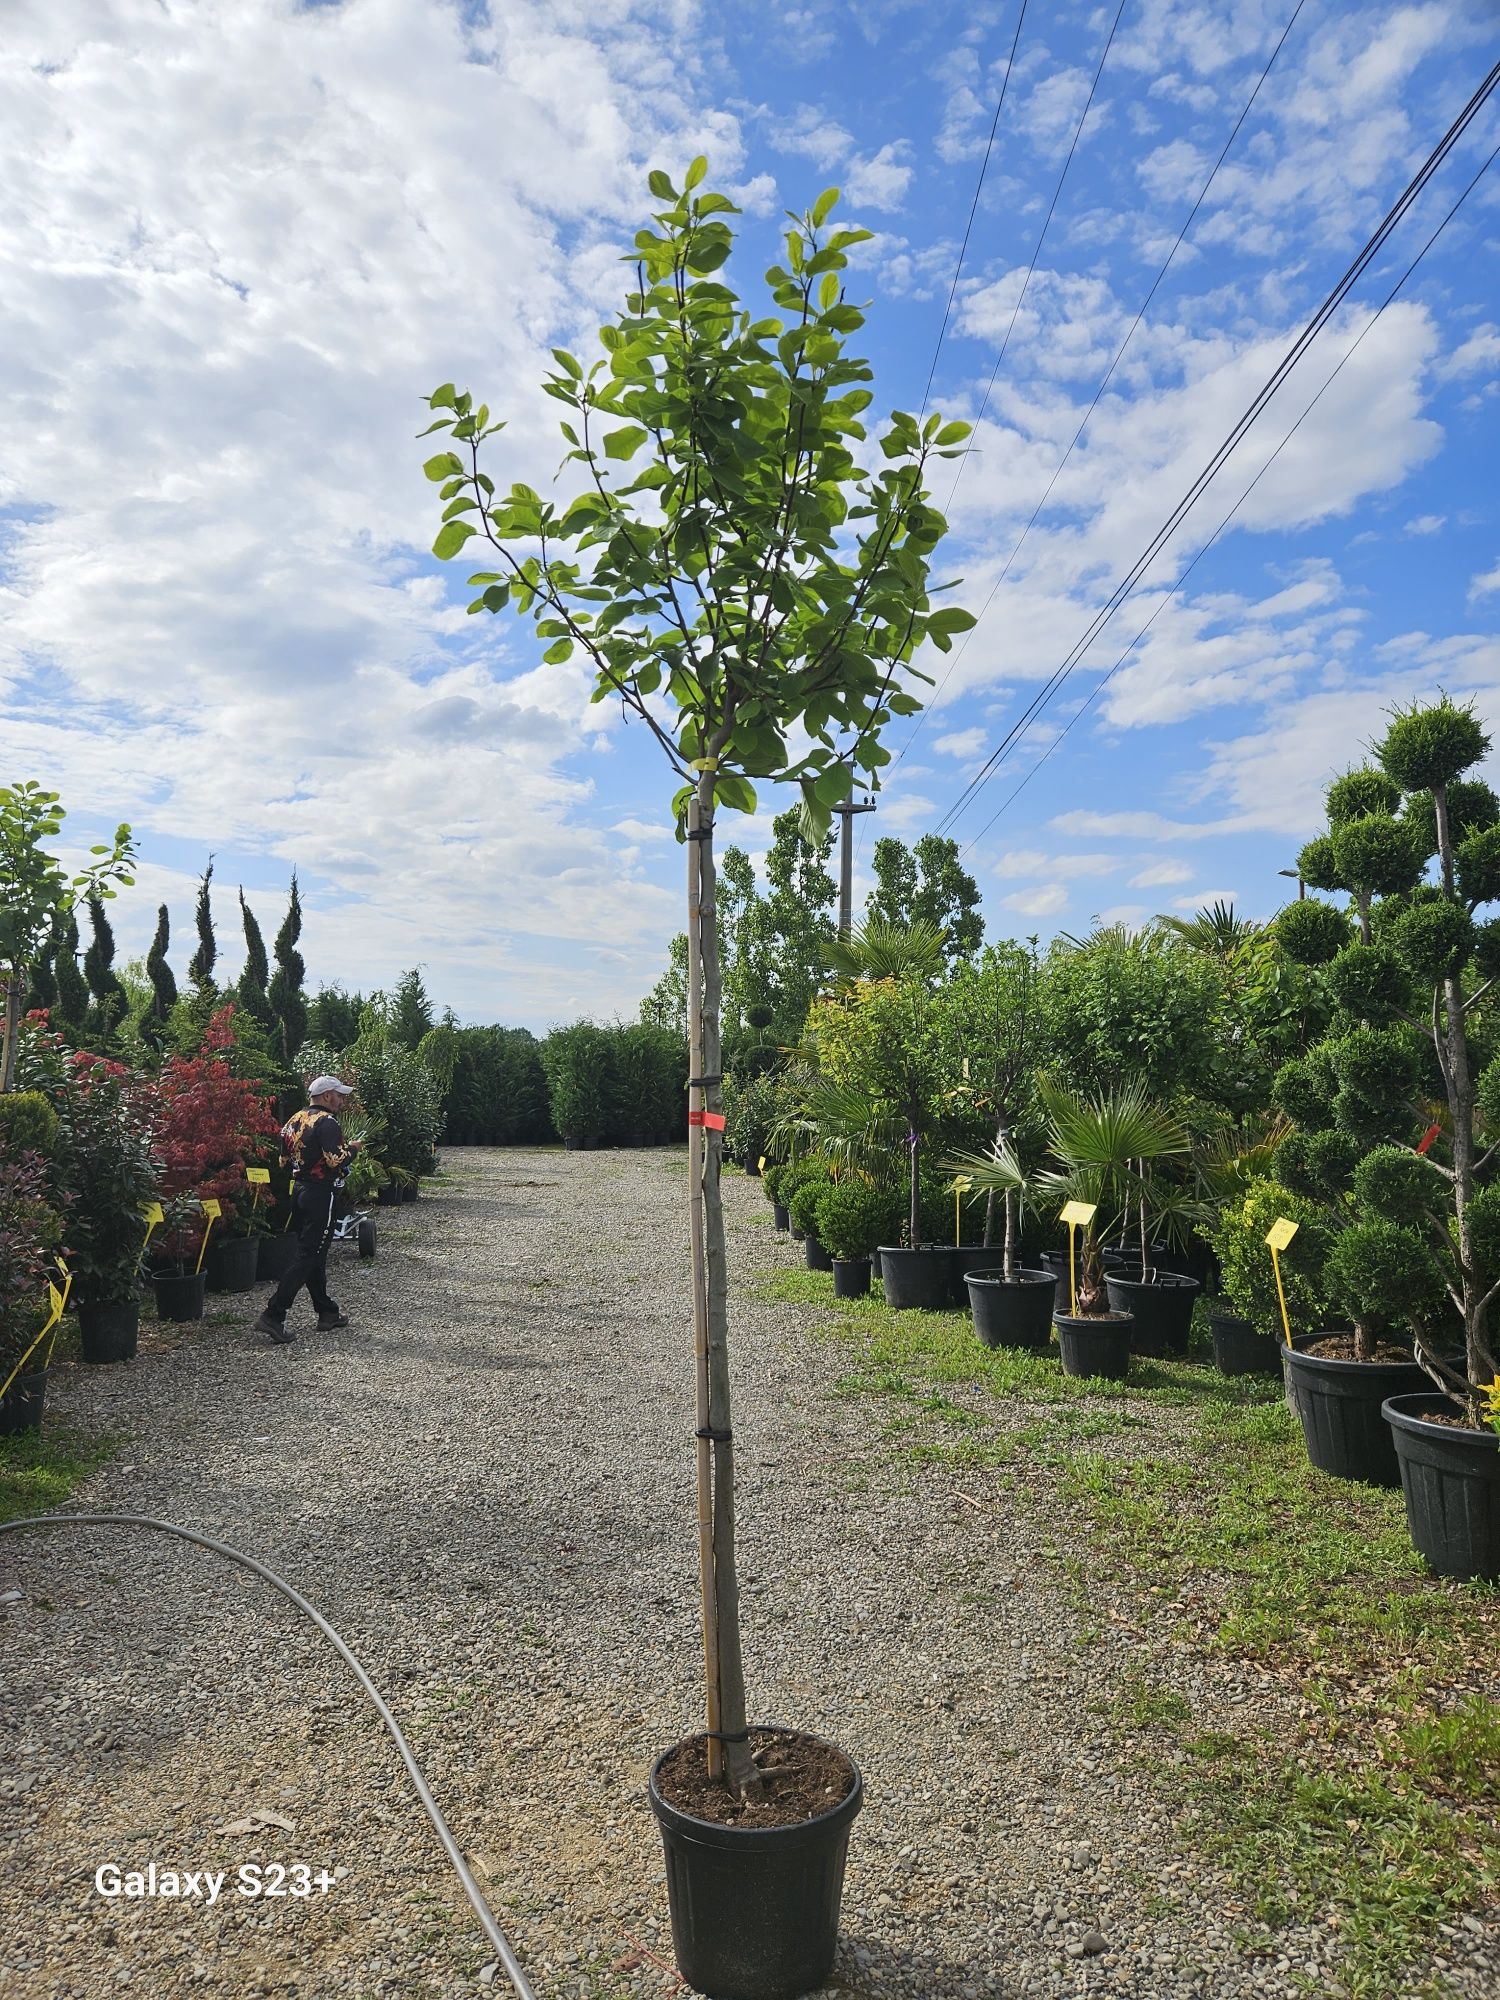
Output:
(700, 1297)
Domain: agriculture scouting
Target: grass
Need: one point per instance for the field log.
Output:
(1369, 1812)
(39, 1470)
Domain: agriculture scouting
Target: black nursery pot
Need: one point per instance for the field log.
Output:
(1451, 1480)
(964, 1258)
(851, 1277)
(21, 1405)
(818, 1259)
(411, 1192)
(179, 1295)
(1014, 1313)
(275, 1256)
(232, 1264)
(390, 1197)
(755, 1910)
(1094, 1346)
(108, 1333)
(1240, 1348)
(781, 1215)
(1340, 1402)
(916, 1279)
(1162, 1310)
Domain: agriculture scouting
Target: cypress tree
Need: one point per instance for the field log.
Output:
(163, 985)
(201, 965)
(252, 991)
(109, 996)
(287, 1004)
(72, 987)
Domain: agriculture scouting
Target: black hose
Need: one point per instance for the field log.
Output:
(451, 1847)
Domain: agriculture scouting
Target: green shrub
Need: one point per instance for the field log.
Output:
(28, 1124)
(855, 1216)
(1249, 1279)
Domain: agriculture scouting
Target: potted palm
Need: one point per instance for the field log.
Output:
(1011, 1306)
(1101, 1144)
(753, 598)
(1159, 1301)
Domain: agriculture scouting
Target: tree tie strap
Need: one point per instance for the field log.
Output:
(702, 1082)
(728, 1735)
(699, 833)
(713, 1436)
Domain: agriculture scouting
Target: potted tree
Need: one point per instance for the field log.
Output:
(1249, 1338)
(750, 588)
(852, 1216)
(1012, 1306)
(1397, 1111)
(1160, 1301)
(1101, 1144)
(30, 1234)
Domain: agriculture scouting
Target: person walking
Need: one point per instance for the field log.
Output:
(313, 1140)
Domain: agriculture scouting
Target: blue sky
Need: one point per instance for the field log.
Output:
(240, 242)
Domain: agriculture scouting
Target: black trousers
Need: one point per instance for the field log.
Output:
(312, 1220)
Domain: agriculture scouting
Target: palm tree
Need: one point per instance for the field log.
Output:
(998, 1171)
(1103, 1144)
(1215, 930)
(879, 949)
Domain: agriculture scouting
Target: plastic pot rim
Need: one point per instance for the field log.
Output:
(747, 1839)
(1023, 1278)
(1416, 1425)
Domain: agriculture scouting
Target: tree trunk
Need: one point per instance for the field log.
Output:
(15, 993)
(729, 1748)
(914, 1203)
(1145, 1248)
(1461, 1103)
(1010, 1234)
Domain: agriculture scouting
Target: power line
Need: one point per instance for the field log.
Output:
(1299, 346)
(1167, 597)
(1031, 267)
(974, 205)
(1108, 378)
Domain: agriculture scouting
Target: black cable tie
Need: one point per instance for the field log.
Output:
(702, 1082)
(713, 1436)
(728, 1735)
(702, 833)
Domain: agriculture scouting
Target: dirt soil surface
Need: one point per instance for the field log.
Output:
(486, 1484)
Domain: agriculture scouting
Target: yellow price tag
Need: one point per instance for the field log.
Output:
(258, 1176)
(56, 1299)
(152, 1213)
(211, 1208)
(67, 1278)
(1281, 1232)
(761, 1164)
(1076, 1213)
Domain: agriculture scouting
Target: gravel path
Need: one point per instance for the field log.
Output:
(486, 1484)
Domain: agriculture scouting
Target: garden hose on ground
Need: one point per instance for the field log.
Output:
(451, 1848)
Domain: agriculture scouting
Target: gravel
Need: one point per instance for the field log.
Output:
(487, 1485)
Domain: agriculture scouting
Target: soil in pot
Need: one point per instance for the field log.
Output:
(108, 1333)
(231, 1264)
(1162, 1310)
(1240, 1348)
(851, 1277)
(179, 1296)
(1096, 1345)
(1338, 1400)
(21, 1405)
(754, 1887)
(818, 1259)
(1450, 1476)
(781, 1215)
(1014, 1313)
(916, 1279)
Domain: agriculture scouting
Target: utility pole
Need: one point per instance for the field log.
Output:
(846, 813)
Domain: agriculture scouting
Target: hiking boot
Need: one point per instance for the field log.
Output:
(276, 1330)
(328, 1321)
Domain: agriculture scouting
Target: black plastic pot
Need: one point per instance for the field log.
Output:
(21, 1405)
(179, 1296)
(231, 1265)
(1240, 1348)
(1095, 1346)
(411, 1191)
(915, 1279)
(108, 1333)
(1451, 1480)
(390, 1197)
(818, 1259)
(1017, 1313)
(851, 1277)
(964, 1258)
(781, 1215)
(752, 1170)
(1162, 1310)
(1339, 1403)
(275, 1256)
(755, 1910)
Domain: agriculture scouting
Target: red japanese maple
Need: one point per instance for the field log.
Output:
(210, 1125)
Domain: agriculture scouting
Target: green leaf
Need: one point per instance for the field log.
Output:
(824, 206)
(555, 655)
(442, 424)
(952, 618)
(695, 173)
(954, 433)
(442, 399)
(660, 186)
(451, 538)
(444, 466)
(734, 791)
(625, 443)
(567, 364)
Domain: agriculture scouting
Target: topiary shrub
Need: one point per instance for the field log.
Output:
(1246, 1271)
(854, 1216)
(28, 1124)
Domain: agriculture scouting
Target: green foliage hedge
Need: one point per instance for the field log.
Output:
(619, 1085)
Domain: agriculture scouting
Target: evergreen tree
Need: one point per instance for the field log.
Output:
(42, 988)
(163, 985)
(333, 1017)
(928, 884)
(72, 988)
(201, 965)
(110, 1002)
(409, 1016)
(252, 991)
(287, 1004)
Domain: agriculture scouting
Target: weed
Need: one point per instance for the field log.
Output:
(40, 1469)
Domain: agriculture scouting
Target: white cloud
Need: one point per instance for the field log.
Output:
(1426, 524)
(962, 743)
(1485, 584)
(1023, 861)
(1129, 914)
(1479, 354)
(1045, 901)
(643, 829)
(1131, 825)
(1203, 899)
(1162, 875)
(881, 180)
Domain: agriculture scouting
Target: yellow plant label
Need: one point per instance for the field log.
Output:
(55, 1298)
(761, 1163)
(1281, 1232)
(151, 1213)
(1076, 1213)
(258, 1176)
(211, 1208)
(67, 1278)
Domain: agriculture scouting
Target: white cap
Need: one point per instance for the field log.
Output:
(321, 1085)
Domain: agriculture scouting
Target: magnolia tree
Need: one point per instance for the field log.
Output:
(1398, 1109)
(752, 594)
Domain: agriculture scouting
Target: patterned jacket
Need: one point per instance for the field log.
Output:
(314, 1143)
